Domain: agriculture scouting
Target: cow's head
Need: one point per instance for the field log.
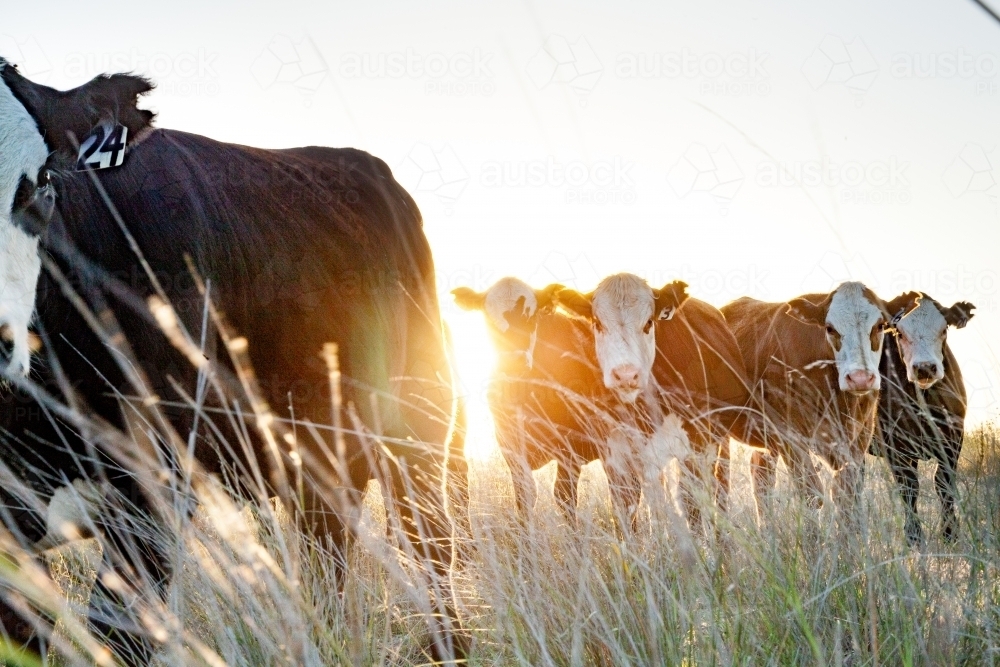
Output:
(35, 122)
(921, 336)
(623, 311)
(855, 320)
(511, 307)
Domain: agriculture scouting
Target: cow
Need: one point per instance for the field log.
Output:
(921, 409)
(297, 248)
(812, 363)
(668, 354)
(541, 393)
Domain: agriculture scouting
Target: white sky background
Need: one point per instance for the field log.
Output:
(910, 198)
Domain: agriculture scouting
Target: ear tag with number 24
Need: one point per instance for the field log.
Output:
(103, 148)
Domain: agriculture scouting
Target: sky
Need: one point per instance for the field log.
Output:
(755, 148)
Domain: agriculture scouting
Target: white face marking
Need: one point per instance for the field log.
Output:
(22, 153)
(624, 336)
(921, 340)
(853, 317)
(514, 297)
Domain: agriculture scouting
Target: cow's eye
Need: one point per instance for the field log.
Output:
(44, 178)
(649, 325)
(830, 330)
(598, 327)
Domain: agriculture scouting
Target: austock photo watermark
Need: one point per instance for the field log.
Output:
(980, 69)
(708, 171)
(446, 74)
(712, 284)
(874, 182)
(434, 170)
(289, 62)
(839, 62)
(176, 73)
(975, 171)
(599, 182)
(28, 55)
(561, 62)
(438, 171)
(733, 74)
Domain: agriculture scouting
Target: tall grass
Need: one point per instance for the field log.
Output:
(248, 587)
(803, 590)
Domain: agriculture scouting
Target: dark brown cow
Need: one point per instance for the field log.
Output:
(921, 410)
(814, 391)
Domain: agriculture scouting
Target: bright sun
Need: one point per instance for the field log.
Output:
(475, 359)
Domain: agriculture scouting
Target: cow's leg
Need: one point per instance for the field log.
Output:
(763, 465)
(523, 481)
(697, 470)
(620, 462)
(848, 489)
(904, 471)
(626, 489)
(944, 483)
(567, 478)
(803, 473)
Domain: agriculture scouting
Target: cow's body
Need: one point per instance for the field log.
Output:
(549, 411)
(700, 375)
(812, 392)
(662, 353)
(299, 247)
(544, 393)
(923, 423)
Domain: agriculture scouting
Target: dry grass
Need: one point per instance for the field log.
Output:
(802, 591)
(248, 588)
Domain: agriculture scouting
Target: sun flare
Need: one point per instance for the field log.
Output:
(475, 359)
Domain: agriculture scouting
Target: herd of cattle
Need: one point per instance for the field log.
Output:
(124, 216)
(817, 375)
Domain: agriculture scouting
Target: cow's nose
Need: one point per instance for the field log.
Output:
(861, 380)
(926, 370)
(626, 376)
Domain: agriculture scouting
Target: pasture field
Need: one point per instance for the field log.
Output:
(251, 590)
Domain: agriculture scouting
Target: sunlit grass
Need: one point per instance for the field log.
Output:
(250, 588)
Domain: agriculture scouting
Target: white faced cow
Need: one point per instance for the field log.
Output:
(921, 408)
(669, 354)
(813, 368)
(302, 247)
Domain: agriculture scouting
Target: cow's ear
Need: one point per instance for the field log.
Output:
(106, 98)
(806, 311)
(469, 299)
(959, 314)
(546, 298)
(669, 298)
(576, 303)
(901, 306)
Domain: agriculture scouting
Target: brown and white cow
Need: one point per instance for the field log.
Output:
(921, 410)
(669, 354)
(542, 392)
(813, 365)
